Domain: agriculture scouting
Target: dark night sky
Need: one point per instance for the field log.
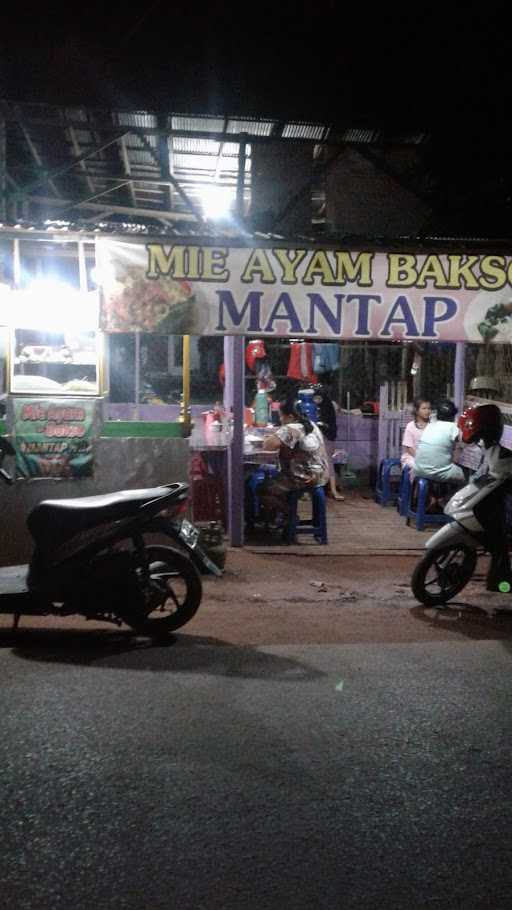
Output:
(401, 65)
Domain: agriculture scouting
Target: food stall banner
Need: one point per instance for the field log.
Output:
(326, 293)
(53, 439)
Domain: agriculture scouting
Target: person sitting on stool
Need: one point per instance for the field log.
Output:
(303, 460)
(413, 432)
(435, 453)
(327, 423)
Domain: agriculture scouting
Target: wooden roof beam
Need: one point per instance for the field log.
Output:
(164, 153)
(33, 150)
(65, 168)
(80, 202)
(127, 169)
(78, 152)
(118, 209)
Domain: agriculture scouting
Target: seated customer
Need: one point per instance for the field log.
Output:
(303, 460)
(327, 424)
(436, 448)
(413, 432)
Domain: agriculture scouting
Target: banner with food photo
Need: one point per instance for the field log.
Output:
(177, 288)
(132, 301)
(53, 439)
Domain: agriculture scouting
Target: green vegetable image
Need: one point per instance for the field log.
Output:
(495, 315)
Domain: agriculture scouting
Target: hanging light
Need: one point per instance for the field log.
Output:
(216, 201)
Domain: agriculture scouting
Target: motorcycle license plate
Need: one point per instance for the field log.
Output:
(189, 533)
(190, 536)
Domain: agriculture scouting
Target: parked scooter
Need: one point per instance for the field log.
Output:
(92, 558)
(452, 552)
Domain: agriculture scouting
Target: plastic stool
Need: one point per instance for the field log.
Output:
(420, 514)
(404, 491)
(253, 482)
(316, 525)
(387, 481)
(208, 502)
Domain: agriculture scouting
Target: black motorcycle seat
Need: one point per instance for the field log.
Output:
(55, 520)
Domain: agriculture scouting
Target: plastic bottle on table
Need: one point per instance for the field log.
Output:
(307, 405)
(275, 414)
(261, 408)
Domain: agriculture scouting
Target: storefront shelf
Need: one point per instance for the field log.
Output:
(127, 428)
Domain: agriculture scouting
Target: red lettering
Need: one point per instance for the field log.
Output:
(60, 414)
(55, 429)
(33, 412)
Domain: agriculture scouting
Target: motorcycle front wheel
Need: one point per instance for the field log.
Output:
(442, 573)
(171, 592)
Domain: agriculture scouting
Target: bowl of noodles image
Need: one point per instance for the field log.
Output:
(134, 303)
(489, 317)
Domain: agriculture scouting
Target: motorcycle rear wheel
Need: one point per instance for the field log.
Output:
(442, 574)
(172, 590)
(161, 531)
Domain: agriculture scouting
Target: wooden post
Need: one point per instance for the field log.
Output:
(82, 268)
(185, 417)
(137, 374)
(383, 422)
(240, 181)
(3, 172)
(16, 262)
(234, 365)
(459, 375)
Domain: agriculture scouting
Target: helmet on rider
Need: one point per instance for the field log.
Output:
(484, 422)
(446, 410)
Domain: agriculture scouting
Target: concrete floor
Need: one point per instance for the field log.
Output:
(356, 526)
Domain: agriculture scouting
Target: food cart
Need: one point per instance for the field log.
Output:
(54, 388)
(153, 289)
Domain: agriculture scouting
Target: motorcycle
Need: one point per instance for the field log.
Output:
(92, 558)
(186, 536)
(452, 552)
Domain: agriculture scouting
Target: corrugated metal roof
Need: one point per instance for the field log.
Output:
(303, 131)
(87, 161)
(196, 146)
(353, 135)
(251, 127)
(207, 123)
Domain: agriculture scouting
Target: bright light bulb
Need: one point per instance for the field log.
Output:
(49, 304)
(216, 201)
(104, 275)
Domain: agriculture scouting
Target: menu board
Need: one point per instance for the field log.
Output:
(53, 439)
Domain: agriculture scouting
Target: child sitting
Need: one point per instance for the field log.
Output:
(413, 432)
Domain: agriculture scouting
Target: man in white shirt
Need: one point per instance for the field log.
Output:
(436, 448)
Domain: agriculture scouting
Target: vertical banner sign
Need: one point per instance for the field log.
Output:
(313, 293)
(53, 438)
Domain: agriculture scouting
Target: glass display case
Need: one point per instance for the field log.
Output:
(55, 346)
(60, 363)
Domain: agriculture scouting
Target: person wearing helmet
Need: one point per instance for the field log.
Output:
(485, 424)
(436, 448)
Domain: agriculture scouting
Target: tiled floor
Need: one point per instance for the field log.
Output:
(356, 526)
